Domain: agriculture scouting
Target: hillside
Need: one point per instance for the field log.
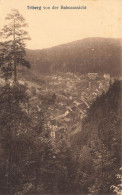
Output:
(102, 55)
(98, 144)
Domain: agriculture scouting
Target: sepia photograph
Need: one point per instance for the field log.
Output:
(60, 97)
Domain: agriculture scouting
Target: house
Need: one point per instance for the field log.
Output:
(106, 76)
(62, 115)
(53, 134)
(57, 131)
(92, 76)
(76, 103)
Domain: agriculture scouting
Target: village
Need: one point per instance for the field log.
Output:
(71, 96)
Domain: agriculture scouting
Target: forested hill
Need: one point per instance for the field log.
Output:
(102, 55)
(99, 143)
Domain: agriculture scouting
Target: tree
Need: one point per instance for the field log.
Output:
(14, 119)
(101, 132)
(99, 143)
(13, 45)
(14, 127)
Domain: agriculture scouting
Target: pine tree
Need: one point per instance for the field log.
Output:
(13, 45)
(14, 119)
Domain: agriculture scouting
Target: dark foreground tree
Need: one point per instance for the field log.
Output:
(14, 126)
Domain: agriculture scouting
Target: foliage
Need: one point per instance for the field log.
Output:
(101, 135)
(12, 47)
(13, 134)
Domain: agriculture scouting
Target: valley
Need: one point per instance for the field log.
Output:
(67, 97)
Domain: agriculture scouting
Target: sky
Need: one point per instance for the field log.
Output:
(50, 27)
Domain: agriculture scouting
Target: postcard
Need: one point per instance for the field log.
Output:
(60, 97)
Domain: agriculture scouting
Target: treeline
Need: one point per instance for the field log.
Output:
(101, 55)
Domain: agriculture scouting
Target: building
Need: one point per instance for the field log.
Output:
(106, 76)
(92, 76)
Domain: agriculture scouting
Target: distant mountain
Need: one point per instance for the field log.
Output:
(102, 55)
